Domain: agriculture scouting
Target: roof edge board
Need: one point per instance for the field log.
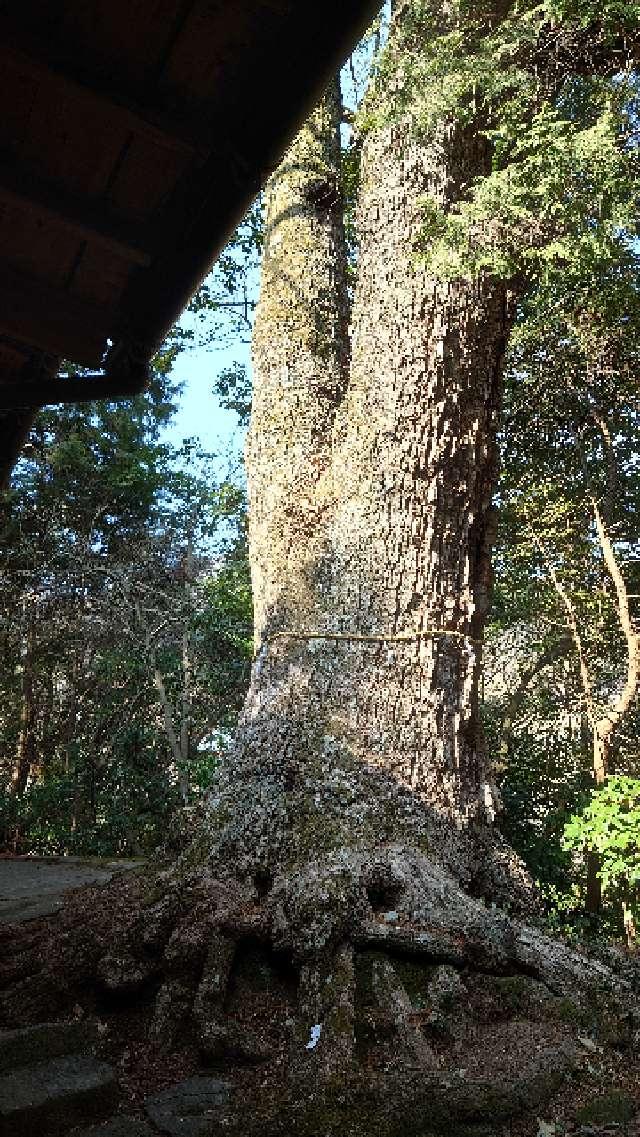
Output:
(149, 312)
(43, 316)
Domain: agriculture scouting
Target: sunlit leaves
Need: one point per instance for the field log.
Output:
(610, 825)
(552, 88)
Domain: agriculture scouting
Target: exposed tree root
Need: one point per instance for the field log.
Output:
(368, 990)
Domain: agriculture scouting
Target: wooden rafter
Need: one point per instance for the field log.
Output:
(32, 58)
(52, 319)
(87, 219)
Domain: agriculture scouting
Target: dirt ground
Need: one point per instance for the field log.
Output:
(498, 1026)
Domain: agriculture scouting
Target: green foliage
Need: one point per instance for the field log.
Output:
(545, 779)
(562, 193)
(233, 389)
(116, 548)
(121, 806)
(610, 824)
(568, 434)
(551, 88)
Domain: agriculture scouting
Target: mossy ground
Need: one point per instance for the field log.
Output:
(615, 1108)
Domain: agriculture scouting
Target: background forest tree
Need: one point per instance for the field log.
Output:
(125, 625)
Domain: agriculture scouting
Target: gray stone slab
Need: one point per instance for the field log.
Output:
(46, 1040)
(189, 1108)
(50, 1097)
(36, 886)
(124, 1126)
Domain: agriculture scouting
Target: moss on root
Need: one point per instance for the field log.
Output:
(341, 1109)
(608, 1109)
(415, 977)
(568, 1011)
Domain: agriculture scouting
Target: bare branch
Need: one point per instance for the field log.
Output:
(608, 722)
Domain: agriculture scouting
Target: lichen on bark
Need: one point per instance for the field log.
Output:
(371, 463)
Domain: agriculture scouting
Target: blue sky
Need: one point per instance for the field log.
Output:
(200, 414)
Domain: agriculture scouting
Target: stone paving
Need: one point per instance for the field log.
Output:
(36, 886)
(53, 1083)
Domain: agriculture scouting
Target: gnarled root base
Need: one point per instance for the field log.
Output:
(366, 995)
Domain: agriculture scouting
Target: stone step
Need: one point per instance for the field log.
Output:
(190, 1108)
(123, 1126)
(46, 1099)
(46, 1040)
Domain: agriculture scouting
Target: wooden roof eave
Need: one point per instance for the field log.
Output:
(231, 146)
(232, 177)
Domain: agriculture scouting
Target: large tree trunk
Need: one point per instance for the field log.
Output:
(370, 522)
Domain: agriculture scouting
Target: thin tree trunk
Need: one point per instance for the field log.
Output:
(71, 719)
(173, 738)
(600, 766)
(26, 754)
(187, 661)
(605, 725)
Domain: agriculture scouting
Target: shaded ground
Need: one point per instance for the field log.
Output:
(475, 1025)
(36, 886)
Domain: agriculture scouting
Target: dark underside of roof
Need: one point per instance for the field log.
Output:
(134, 135)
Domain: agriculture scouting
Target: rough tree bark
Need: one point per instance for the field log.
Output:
(370, 521)
(350, 827)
